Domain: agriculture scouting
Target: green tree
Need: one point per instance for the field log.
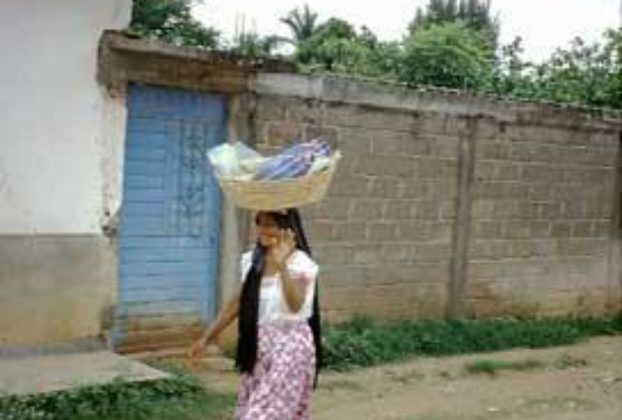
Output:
(303, 24)
(588, 74)
(450, 55)
(172, 22)
(333, 42)
(337, 47)
(475, 14)
(384, 60)
(512, 74)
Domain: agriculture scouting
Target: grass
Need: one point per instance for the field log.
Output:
(566, 361)
(178, 397)
(366, 342)
(492, 367)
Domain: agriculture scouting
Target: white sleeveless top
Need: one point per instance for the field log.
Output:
(272, 304)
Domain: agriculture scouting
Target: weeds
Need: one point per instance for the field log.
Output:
(178, 397)
(491, 367)
(367, 342)
(566, 361)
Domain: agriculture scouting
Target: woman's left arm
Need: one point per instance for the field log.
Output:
(294, 288)
(294, 282)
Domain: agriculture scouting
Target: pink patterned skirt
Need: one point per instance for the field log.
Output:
(281, 384)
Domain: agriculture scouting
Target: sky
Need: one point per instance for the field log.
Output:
(543, 24)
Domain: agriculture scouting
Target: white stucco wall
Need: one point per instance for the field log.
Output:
(60, 137)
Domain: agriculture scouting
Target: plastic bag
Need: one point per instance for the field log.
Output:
(234, 160)
(224, 160)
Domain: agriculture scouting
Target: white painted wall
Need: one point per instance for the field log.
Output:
(60, 136)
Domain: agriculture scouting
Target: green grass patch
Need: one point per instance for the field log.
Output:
(178, 397)
(492, 367)
(366, 342)
(566, 361)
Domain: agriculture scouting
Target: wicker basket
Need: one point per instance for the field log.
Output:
(281, 194)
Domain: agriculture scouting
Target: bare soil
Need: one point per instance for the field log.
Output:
(582, 381)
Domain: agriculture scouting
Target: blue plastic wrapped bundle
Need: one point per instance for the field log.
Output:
(317, 147)
(294, 161)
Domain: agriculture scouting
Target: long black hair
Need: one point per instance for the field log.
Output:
(246, 354)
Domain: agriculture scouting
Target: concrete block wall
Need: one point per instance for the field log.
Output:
(383, 234)
(454, 205)
(543, 221)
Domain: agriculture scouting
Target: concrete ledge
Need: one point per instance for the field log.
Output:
(373, 93)
(43, 374)
(123, 59)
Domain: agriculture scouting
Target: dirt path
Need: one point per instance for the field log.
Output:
(583, 381)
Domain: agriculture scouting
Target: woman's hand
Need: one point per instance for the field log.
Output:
(226, 315)
(197, 348)
(195, 354)
(285, 245)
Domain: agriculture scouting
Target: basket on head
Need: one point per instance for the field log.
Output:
(283, 193)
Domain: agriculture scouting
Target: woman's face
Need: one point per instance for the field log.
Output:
(267, 230)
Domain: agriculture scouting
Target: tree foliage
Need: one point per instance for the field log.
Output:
(450, 43)
(171, 21)
(338, 47)
(332, 43)
(474, 14)
(450, 55)
(302, 24)
(588, 74)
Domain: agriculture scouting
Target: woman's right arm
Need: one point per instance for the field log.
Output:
(226, 316)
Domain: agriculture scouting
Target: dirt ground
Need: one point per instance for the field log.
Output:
(583, 381)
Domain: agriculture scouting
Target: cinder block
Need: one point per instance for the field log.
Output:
(414, 231)
(366, 254)
(360, 116)
(399, 166)
(270, 108)
(334, 208)
(387, 187)
(355, 141)
(305, 111)
(332, 255)
(330, 134)
(418, 144)
(383, 232)
(487, 229)
(350, 186)
(350, 232)
(372, 165)
(442, 124)
(279, 134)
(398, 210)
(367, 209)
(427, 210)
(388, 142)
(320, 231)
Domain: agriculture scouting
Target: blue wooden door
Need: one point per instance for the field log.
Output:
(169, 224)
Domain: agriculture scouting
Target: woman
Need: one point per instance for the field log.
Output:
(278, 352)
